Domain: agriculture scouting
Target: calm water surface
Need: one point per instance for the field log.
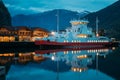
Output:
(87, 64)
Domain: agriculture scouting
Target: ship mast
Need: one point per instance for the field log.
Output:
(58, 21)
(97, 26)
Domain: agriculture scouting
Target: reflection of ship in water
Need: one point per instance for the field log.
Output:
(74, 60)
(79, 60)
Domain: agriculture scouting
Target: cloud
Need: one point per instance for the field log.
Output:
(33, 9)
(9, 5)
(43, 5)
(15, 7)
(37, 9)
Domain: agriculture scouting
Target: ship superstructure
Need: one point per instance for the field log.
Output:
(78, 32)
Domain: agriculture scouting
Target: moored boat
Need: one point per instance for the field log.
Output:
(79, 35)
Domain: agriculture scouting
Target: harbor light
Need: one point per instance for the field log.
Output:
(113, 48)
(97, 35)
(97, 54)
(53, 33)
(53, 58)
(80, 70)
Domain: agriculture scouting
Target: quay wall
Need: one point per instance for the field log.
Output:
(17, 46)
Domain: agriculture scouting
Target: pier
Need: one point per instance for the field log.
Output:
(17, 46)
(2, 73)
(2, 70)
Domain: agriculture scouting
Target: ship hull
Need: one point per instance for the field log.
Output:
(73, 44)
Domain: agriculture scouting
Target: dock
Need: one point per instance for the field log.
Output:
(2, 70)
(17, 47)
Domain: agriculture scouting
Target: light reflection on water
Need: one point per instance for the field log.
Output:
(61, 65)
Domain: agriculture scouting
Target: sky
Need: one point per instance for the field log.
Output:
(37, 6)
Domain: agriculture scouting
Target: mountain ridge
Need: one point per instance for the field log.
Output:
(5, 18)
(108, 19)
(47, 19)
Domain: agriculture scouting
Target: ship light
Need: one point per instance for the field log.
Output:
(97, 54)
(80, 70)
(53, 58)
(53, 33)
(72, 52)
(82, 56)
(82, 35)
(74, 69)
(97, 35)
(113, 48)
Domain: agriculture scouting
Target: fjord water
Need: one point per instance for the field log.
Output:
(90, 64)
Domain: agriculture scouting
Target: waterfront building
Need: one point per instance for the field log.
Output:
(39, 33)
(24, 33)
(7, 35)
(21, 33)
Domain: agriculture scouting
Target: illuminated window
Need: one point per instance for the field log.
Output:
(12, 38)
(6, 39)
(1, 39)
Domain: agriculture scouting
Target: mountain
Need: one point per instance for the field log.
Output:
(48, 19)
(108, 19)
(5, 18)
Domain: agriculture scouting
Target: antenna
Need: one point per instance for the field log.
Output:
(97, 21)
(58, 20)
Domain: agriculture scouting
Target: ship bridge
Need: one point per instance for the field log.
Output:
(79, 22)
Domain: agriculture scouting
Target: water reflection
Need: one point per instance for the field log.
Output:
(22, 58)
(57, 64)
(79, 60)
